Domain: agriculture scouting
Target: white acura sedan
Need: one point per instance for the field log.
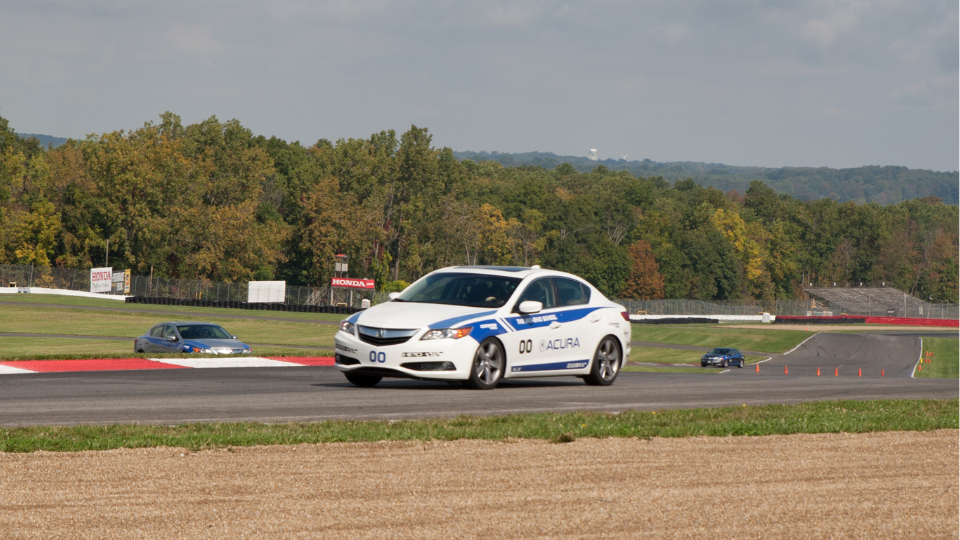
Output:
(481, 324)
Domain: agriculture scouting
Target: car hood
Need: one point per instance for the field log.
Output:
(215, 343)
(418, 315)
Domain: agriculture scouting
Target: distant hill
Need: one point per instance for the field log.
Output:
(883, 185)
(45, 140)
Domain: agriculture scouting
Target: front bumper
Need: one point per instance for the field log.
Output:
(440, 359)
(715, 361)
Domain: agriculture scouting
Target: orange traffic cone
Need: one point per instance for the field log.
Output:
(920, 367)
(836, 371)
(785, 372)
(758, 368)
(881, 373)
(818, 371)
(860, 372)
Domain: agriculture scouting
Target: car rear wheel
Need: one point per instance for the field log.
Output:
(606, 363)
(361, 379)
(487, 367)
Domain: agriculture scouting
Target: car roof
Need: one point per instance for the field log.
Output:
(175, 323)
(521, 272)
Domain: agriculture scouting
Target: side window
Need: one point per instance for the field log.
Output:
(571, 293)
(538, 291)
(168, 331)
(157, 331)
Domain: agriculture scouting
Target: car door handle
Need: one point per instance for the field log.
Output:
(554, 325)
(595, 317)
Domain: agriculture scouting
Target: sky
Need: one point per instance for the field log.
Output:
(834, 83)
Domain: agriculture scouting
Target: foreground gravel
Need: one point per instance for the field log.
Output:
(877, 485)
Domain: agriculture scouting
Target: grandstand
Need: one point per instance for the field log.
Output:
(872, 301)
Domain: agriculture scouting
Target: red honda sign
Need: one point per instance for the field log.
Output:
(352, 283)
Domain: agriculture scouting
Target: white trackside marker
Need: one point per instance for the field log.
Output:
(7, 370)
(229, 362)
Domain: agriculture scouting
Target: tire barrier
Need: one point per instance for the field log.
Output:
(781, 319)
(850, 319)
(339, 310)
(677, 320)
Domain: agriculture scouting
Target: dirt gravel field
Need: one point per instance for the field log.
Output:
(878, 485)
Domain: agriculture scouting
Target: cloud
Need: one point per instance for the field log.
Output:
(194, 39)
(518, 14)
(842, 18)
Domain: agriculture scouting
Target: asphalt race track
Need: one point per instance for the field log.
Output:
(321, 393)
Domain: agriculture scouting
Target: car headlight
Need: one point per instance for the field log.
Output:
(348, 327)
(448, 333)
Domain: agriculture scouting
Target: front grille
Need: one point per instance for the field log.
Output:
(384, 336)
(430, 366)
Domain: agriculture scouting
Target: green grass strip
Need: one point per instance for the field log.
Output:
(945, 362)
(773, 340)
(816, 417)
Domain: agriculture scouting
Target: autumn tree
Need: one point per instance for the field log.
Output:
(644, 281)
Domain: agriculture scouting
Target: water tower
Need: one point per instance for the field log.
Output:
(592, 156)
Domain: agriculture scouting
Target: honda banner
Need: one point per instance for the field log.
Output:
(101, 279)
(352, 283)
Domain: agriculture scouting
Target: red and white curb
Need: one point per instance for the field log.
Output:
(130, 364)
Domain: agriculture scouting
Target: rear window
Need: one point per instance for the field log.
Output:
(571, 293)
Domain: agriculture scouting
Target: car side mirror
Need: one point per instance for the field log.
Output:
(171, 338)
(234, 337)
(530, 306)
(394, 295)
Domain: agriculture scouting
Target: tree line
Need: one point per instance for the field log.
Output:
(212, 200)
(883, 185)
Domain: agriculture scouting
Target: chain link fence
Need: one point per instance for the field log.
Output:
(807, 307)
(182, 289)
(219, 291)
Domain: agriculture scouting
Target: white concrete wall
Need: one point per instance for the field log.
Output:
(63, 292)
(744, 318)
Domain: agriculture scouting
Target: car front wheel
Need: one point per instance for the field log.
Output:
(487, 367)
(606, 363)
(361, 379)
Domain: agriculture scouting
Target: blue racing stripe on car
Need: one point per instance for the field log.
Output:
(484, 329)
(449, 323)
(555, 366)
(525, 322)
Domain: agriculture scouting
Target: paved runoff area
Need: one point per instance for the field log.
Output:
(840, 485)
(128, 364)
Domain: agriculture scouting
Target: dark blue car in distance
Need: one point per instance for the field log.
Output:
(189, 337)
(723, 357)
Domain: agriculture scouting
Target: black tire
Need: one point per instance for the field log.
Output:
(740, 365)
(606, 363)
(723, 364)
(702, 364)
(362, 379)
(488, 364)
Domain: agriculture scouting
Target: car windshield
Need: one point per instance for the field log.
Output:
(471, 290)
(720, 350)
(202, 331)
